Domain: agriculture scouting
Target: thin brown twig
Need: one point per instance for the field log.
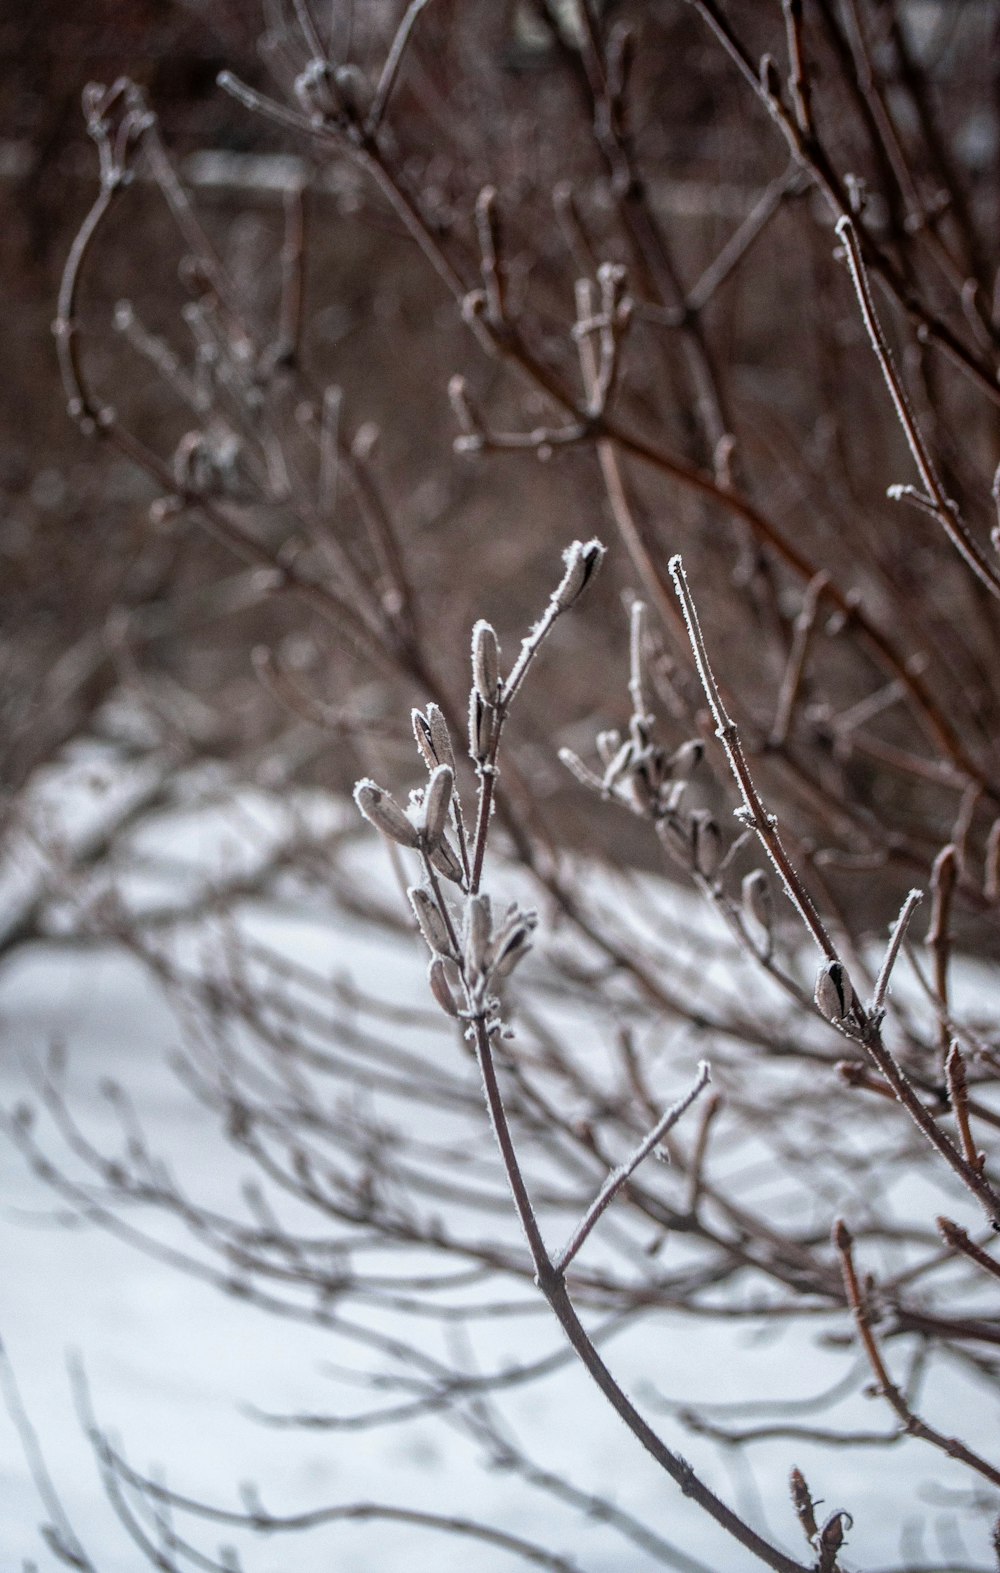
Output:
(911, 1422)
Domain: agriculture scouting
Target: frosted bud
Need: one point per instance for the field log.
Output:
(513, 941)
(481, 719)
(382, 811)
(445, 860)
(582, 561)
(437, 801)
(478, 933)
(834, 994)
(312, 89)
(440, 736)
(686, 759)
(424, 740)
(706, 843)
(485, 661)
(437, 977)
(433, 738)
(757, 901)
(430, 919)
(576, 766)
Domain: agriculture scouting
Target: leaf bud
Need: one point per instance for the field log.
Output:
(481, 722)
(582, 560)
(431, 920)
(437, 802)
(440, 986)
(485, 661)
(757, 907)
(382, 811)
(706, 843)
(834, 994)
(478, 933)
(445, 860)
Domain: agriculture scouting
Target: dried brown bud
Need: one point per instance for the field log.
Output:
(582, 560)
(382, 811)
(485, 661)
(831, 1538)
(952, 1233)
(803, 1503)
(834, 994)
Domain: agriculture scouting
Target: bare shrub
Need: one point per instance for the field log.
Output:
(696, 280)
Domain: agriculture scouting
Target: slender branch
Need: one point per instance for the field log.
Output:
(614, 1182)
(755, 816)
(892, 949)
(393, 61)
(942, 505)
(911, 1422)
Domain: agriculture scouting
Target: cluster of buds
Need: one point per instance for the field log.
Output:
(469, 962)
(651, 783)
(637, 772)
(422, 826)
(472, 950)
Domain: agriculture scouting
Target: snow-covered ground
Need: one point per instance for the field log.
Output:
(174, 1368)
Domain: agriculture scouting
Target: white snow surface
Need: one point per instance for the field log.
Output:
(173, 1366)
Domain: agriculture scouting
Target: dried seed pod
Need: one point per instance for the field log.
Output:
(582, 559)
(382, 811)
(834, 994)
(440, 986)
(706, 842)
(437, 802)
(478, 933)
(445, 860)
(431, 920)
(485, 661)
(482, 717)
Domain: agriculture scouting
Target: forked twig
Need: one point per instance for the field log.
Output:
(936, 500)
(753, 813)
(912, 1423)
(614, 1182)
